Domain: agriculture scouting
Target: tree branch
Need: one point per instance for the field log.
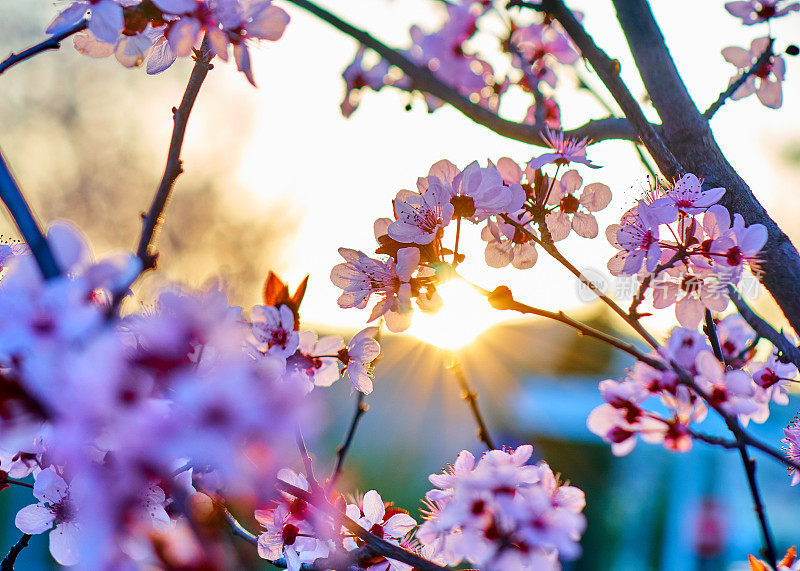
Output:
(471, 397)
(341, 452)
(21, 212)
(723, 97)
(51, 43)
(377, 545)
(426, 81)
(8, 563)
(154, 217)
(691, 140)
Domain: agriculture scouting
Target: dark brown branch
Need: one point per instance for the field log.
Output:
(501, 298)
(714, 440)
(23, 217)
(51, 43)
(471, 397)
(723, 97)
(154, 217)
(758, 504)
(377, 545)
(748, 463)
(341, 452)
(8, 563)
(608, 70)
(424, 80)
(787, 349)
(690, 139)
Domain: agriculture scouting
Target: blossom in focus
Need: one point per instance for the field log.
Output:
(502, 513)
(758, 11)
(420, 218)
(361, 276)
(688, 196)
(565, 151)
(792, 448)
(766, 81)
(638, 239)
(273, 328)
(56, 513)
(362, 350)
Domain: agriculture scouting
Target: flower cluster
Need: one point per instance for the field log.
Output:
(160, 31)
(533, 51)
(501, 513)
(741, 385)
(704, 251)
(510, 200)
(109, 413)
(765, 79)
(302, 533)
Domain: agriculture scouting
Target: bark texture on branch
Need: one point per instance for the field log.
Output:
(688, 136)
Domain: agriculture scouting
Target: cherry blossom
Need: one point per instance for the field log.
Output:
(765, 82)
(421, 217)
(273, 328)
(291, 528)
(688, 196)
(361, 276)
(567, 214)
(314, 362)
(565, 151)
(501, 511)
(387, 522)
(638, 239)
(792, 449)
(506, 244)
(362, 350)
(758, 11)
(56, 513)
(105, 22)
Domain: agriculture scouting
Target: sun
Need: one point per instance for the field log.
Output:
(464, 315)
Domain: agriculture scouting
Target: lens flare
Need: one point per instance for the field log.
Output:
(464, 315)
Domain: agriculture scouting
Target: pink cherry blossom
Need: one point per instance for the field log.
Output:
(362, 350)
(105, 22)
(273, 328)
(792, 449)
(638, 239)
(387, 522)
(361, 276)
(757, 11)
(421, 217)
(565, 151)
(688, 196)
(573, 212)
(506, 244)
(766, 81)
(56, 513)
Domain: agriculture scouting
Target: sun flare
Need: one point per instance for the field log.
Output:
(464, 315)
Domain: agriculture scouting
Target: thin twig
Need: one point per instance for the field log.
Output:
(154, 217)
(8, 563)
(758, 504)
(749, 464)
(341, 452)
(23, 217)
(377, 545)
(426, 81)
(763, 329)
(714, 440)
(308, 465)
(723, 97)
(471, 397)
(51, 43)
